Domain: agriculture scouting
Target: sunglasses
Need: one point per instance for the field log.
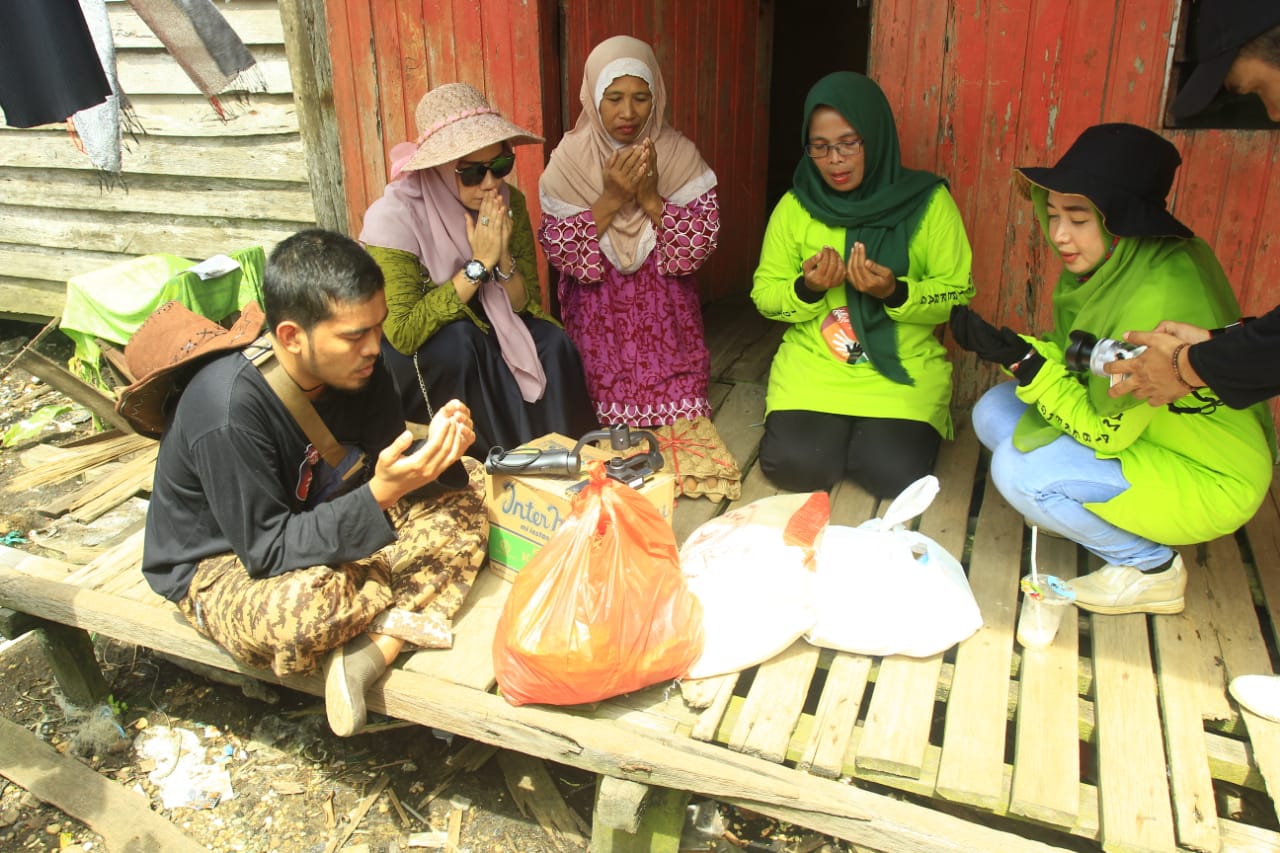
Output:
(473, 173)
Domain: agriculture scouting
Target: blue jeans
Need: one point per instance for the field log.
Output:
(1051, 484)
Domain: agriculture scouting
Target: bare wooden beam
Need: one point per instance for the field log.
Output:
(123, 818)
(597, 745)
(77, 389)
(306, 40)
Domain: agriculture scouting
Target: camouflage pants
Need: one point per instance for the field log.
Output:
(288, 622)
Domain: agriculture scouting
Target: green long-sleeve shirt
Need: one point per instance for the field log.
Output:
(810, 371)
(417, 307)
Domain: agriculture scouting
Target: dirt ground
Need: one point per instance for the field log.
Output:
(288, 784)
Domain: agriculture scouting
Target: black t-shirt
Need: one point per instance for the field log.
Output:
(1242, 366)
(236, 473)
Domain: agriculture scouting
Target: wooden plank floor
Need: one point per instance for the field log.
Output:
(1119, 736)
(1121, 732)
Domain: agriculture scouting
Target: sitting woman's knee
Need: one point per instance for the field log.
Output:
(996, 414)
(885, 475)
(797, 469)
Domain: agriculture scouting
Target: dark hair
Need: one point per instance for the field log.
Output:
(1265, 47)
(310, 272)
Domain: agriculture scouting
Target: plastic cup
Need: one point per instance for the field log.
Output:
(1043, 604)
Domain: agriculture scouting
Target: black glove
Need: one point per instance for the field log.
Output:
(1003, 346)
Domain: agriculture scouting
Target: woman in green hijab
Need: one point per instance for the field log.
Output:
(1125, 480)
(863, 258)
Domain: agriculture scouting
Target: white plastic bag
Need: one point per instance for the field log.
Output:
(751, 569)
(880, 589)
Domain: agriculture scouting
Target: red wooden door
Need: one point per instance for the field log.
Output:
(715, 58)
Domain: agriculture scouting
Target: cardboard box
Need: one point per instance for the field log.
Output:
(524, 511)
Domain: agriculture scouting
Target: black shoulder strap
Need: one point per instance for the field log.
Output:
(305, 414)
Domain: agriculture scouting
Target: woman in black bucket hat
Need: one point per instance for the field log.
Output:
(1123, 479)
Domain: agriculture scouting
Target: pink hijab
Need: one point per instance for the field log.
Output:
(574, 178)
(421, 212)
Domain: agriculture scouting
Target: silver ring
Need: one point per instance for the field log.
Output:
(649, 174)
(484, 220)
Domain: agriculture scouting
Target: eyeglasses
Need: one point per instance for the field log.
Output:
(473, 174)
(821, 150)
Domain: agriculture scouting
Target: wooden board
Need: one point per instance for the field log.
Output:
(271, 158)
(974, 736)
(1264, 539)
(470, 661)
(1133, 785)
(596, 745)
(1264, 735)
(1234, 618)
(774, 703)
(1179, 654)
(1046, 758)
(720, 694)
(255, 22)
(53, 188)
(188, 236)
(836, 716)
(1211, 685)
(896, 730)
(901, 711)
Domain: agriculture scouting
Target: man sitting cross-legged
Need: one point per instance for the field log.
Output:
(265, 548)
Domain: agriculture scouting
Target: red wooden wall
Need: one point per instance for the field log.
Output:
(715, 59)
(979, 87)
(387, 53)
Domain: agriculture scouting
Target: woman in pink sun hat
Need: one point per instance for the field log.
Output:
(465, 318)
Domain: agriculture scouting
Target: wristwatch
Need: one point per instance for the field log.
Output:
(475, 271)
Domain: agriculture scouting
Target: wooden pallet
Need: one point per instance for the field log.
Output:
(1121, 733)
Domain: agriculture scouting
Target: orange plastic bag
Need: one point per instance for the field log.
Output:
(602, 609)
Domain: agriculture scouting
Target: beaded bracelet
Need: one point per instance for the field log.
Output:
(1177, 369)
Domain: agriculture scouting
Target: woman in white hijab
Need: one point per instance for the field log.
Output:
(629, 215)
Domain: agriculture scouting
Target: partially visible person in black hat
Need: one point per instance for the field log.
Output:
(1237, 47)
(1126, 481)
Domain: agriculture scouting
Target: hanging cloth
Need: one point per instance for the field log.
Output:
(49, 67)
(203, 43)
(100, 129)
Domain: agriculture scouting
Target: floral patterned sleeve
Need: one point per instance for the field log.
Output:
(572, 245)
(688, 235)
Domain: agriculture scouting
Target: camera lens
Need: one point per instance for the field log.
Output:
(1079, 350)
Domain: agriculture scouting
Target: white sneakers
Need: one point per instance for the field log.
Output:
(1259, 694)
(1124, 589)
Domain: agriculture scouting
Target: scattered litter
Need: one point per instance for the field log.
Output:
(704, 825)
(41, 422)
(434, 840)
(182, 774)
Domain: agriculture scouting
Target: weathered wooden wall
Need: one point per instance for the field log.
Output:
(387, 53)
(980, 87)
(195, 185)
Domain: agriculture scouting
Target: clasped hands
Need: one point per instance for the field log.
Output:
(397, 473)
(826, 270)
(489, 230)
(631, 174)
